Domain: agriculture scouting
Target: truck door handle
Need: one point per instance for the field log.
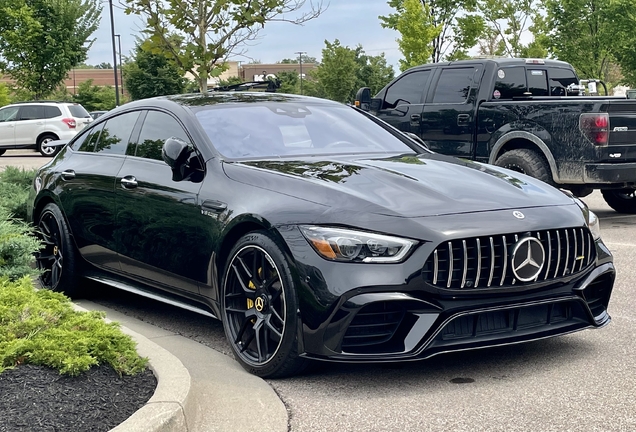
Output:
(68, 175)
(129, 182)
(415, 117)
(463, 119)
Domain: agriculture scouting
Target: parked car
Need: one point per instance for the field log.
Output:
(315, 231)
(96, 114)
(33, 124)
(528, 115)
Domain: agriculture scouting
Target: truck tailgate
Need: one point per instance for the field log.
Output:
(622, 122)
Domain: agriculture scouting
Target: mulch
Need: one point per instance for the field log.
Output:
(38, 399)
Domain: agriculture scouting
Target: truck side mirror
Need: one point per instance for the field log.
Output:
(363, 98)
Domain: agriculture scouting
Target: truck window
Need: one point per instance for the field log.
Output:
(511, 82)
(537, 82)
(559, 79)
(407, 90)
(454, 85)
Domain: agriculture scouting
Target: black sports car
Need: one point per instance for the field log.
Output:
(315, 231)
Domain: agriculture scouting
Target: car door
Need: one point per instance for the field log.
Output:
(402, 101)
(162, 235)
(88, 190)
(8, 116)
(448, 118)
(30, 122)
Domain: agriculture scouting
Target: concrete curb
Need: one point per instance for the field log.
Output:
(166, 409)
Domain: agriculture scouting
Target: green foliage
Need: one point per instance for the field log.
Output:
(17, 246)
(306, 59)
(443, 15)
(344, 70)
(5, 99)
(152, 73)
(289, 82)
(199, 35)
(418, 31)
(40, 327)
(509, 20)
(14, 190)
(230, 81)
(95, 98)
(624, 44)
(41, 40)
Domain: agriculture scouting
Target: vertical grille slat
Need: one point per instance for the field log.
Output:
(485, 262)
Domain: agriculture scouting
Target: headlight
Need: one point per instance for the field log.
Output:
(590, 219)
(338, 244)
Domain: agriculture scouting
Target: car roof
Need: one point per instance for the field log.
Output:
(504, 61)
(44, 102)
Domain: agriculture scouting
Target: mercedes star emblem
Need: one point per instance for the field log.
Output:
(518, 214)
(528, 258)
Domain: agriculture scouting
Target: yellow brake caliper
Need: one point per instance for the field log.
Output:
(250, 302)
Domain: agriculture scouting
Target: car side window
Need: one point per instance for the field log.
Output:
(86, 142)
(511, 82)
(407, 90)
(559, 79)
(51, 112)
(116, 134)
(454, 85)
(537, 82)
(31, 112)
(156, 129)
(8, 114)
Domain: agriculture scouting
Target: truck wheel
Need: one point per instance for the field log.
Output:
(621, 200)
(527, 162)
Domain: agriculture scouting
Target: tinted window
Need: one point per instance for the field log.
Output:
(115, 136)
(511, 82)
(78, 111)
(51, 111)
(537, 82)
(454, 85)
(559, 79)
(156, 129)
(89, 139)
(8, 114)
(260, 130)
(31, 112)
(407, 90)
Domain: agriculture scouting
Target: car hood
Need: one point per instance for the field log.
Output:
(406, 185)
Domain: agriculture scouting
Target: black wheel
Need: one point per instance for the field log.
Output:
(621, 200)
(259, 308)
(47, 151)
(528, 162)
(57, 258)
(2, 151)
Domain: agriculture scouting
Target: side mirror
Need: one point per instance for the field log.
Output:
(176, 153)
(363, 98)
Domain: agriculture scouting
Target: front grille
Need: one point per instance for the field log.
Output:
(484, 262)
(373, 325)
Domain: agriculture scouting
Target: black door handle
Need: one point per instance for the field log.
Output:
(415, 117)
(463, 119)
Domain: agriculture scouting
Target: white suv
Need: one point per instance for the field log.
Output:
(33, 124)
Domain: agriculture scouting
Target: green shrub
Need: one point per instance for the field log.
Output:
(17, 246)
(40, 327)
(14, 190)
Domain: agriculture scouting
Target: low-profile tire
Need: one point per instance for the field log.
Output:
(47, 151)
(259, 308)
(527, 162)
(2, 151)
(621, 200)
(57, 260)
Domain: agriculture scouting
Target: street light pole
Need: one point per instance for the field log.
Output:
(112, 34)
(300, 60)
(121, 65)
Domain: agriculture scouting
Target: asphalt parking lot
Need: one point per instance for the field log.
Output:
(581, 382)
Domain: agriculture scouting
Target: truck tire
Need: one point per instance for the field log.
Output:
(527, 162)
(621, 200)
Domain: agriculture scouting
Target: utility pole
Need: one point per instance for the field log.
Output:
(300, 60)
(121, 65)
(112, 34)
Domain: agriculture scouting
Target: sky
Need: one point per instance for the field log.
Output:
(353, 22)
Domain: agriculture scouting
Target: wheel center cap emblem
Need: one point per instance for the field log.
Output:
(528, 258)
(259, 303)
(518, 214)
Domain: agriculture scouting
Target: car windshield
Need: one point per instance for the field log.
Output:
(262, 130)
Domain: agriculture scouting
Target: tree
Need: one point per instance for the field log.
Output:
(41, 40)
(418, 31)
(103, 65)
(508, 20)
(344, 70)
(150, 74)
(211, 30)
(4, 95)
(95, 98)
(306, 59)
(624, 48)
(444, 15)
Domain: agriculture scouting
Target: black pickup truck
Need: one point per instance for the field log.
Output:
(530, 115)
